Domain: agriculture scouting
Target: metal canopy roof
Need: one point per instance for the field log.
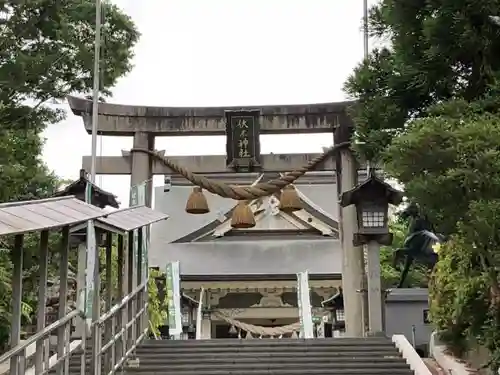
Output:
(132, 218)
(36, 215)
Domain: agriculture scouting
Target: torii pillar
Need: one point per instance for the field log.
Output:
(144, 123)
(142, 166)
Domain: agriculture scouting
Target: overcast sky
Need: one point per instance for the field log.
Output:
(194, 53)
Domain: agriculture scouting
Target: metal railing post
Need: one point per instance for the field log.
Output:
(63, 299)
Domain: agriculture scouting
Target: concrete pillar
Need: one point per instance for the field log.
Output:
(142, 165)
(353, 258)
(374, 288)
(142, 170)
(206, 328)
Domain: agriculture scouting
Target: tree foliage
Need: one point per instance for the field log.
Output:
(157, 307)
(450, 164)
(438, 50)
(428, 112)
(448, 161)
(46, 53)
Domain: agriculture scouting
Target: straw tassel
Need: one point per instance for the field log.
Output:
(242, 216)
(197, 202)
(289, 200)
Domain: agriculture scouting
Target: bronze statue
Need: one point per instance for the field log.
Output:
(418, 244)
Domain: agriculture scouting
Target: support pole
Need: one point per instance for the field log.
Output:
(366, 36)
(62, 332)
(42, 300)
(95, 89)
(353, 265)
(17, 291)
(364, 289)
(109, 359)
(96, 313)
(122, 292)
(132, 279)
(92, 251)
(140, 296)
(374, 288)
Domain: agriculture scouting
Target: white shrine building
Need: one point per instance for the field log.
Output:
(250, 274)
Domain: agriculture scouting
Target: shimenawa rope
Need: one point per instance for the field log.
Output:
(262, 189)
(258, 330)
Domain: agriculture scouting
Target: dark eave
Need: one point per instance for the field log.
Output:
(373, 185)
(267, 234)
(77, 188)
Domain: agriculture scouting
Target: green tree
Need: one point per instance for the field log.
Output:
(427, 111)
(439, 50)
(46, 53)
(157, 307)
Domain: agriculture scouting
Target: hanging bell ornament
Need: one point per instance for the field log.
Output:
(197, 202)
(289, 200)
(242, 216)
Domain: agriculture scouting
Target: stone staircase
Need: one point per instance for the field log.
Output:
(341, 356)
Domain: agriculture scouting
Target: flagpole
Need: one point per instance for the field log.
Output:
(365, 52)
(88, 271)
(366, 300)
(95, 91)
(91, 273)
(365, 29)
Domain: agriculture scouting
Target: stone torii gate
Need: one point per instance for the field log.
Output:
(144, 123)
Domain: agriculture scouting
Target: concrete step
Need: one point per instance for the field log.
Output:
(278, 372)
(340, 356)
(357, 371)
(265, 365)
(256, 362)
(312, 355)
(262, 349)
(284, 357)
(375, 341)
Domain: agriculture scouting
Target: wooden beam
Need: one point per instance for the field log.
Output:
(125, 120)
(208, 164)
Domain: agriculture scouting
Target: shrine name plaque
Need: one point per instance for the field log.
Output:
(243, 143)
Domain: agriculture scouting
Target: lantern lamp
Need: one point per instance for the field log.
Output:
(372, 198)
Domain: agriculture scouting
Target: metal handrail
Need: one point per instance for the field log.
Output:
(116, 308)
(120, 333)
(39, 335)
(128, 353)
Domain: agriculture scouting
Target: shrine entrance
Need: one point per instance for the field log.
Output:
(244, 175)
